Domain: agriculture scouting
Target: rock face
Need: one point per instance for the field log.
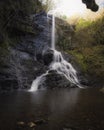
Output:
(24, 60)
(55, 80)
(48, 57)
(30, 58)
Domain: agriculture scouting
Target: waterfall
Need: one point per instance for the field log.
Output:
(36, 82)
(53, 32)
(59, 64)
(63, 67)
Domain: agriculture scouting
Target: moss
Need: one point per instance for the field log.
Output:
(79, 58)
(4, 52)
(91, 61)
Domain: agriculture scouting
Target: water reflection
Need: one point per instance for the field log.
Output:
(55, 104)
(82, 108)
(58, 101)
(64, 100)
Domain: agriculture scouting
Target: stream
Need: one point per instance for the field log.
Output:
(60, 109)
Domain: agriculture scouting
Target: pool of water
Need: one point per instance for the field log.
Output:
(64, 109)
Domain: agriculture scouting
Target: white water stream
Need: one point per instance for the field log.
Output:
(53, 33)
(59, 64)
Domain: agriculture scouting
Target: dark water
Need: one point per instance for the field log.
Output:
(65, 109)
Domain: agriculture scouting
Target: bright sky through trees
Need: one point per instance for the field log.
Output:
(72, 7)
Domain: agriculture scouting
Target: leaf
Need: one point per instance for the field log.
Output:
(31, 124)
(21, 123)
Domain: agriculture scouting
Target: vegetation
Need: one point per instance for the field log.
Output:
(47, 5)
(65, 33)
(87, 45)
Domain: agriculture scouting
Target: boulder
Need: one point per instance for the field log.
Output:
(48, 56)
(55, 80)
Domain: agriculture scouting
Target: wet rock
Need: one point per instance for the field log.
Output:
(24, 61)
(55, 80)
(39, 57)
(39, 122)
(83, 80)
(48, 57)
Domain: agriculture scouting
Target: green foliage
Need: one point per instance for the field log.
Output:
(91, 60)
(87, 45)
(89, 39)
(90, 32)
(82, 23)
(79, 58)
(99, 31)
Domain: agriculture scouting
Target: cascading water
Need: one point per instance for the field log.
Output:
(64, 68)
(37, 81)
(59, 64)
(53, 32)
